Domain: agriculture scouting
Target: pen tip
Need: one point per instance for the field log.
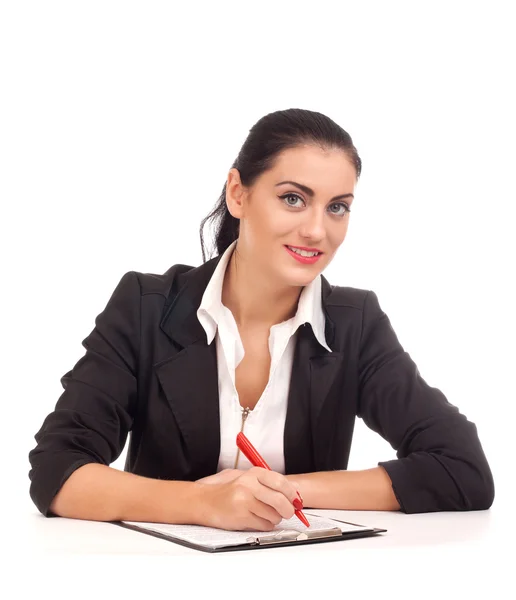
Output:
(302, 518)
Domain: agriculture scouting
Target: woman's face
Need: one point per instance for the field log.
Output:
(274, 215)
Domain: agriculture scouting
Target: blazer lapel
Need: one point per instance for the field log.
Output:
(309, 423)
(298, 443)
(190, 377)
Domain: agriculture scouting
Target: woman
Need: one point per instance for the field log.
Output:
(255, 339)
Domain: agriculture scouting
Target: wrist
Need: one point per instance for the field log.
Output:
(182, 503)
(201, 503)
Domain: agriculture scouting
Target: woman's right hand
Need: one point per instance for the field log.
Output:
(257, 499)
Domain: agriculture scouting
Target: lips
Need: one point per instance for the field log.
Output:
(306, 260)
(305, 248)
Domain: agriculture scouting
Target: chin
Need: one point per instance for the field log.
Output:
(300, 280)
(294, 274)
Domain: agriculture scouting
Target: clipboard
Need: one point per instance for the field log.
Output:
(274, 539)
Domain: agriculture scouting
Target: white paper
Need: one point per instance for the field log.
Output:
(211, 537)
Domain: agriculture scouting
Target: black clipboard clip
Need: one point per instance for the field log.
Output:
(294, 536)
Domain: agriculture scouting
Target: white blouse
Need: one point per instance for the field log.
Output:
(265, 424)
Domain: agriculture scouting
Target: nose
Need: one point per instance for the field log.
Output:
(313, 225)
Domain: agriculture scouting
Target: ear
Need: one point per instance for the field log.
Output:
(235, 194)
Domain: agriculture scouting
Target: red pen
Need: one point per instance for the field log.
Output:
(256, 460)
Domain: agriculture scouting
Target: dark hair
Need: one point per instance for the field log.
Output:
(268, 137)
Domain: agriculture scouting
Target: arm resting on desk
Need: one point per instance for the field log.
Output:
(440, 461)
(100, 493)
(370, 489)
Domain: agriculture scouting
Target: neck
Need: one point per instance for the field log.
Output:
(253, 298)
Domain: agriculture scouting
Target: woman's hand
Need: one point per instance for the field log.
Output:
(223, 476)
(254, 499)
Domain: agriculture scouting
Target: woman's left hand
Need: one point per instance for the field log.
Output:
(224, 476)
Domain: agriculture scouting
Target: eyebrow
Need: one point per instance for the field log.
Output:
(311, 193)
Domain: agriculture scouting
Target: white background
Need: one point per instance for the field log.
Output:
(120, 120)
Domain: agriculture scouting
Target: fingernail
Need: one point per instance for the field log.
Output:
(298, 505)
(300, 497)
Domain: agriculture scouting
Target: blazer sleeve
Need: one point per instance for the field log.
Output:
(94, 414)
(441, 465)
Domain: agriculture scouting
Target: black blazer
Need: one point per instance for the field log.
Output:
(148, 370)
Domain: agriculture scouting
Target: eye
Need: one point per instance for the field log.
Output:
(345, 208)
(291, 196)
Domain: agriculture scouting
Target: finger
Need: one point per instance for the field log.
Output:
(277, 482)
(275, 500)
(268, 496)
(265, 512)
(256, 523)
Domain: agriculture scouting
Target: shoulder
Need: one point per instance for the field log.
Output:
(352, 312)
(160, 284)
(138, 283)
(135, 287)
(155, 290)
(346, 298)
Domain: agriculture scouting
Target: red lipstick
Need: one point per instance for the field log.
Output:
(307, 249)
(306, 260)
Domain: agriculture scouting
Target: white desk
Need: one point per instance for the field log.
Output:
(60, 536)
(433, 553)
